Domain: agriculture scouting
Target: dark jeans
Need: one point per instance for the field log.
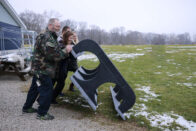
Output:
(62, 75)
(45, 94)
(65, 65)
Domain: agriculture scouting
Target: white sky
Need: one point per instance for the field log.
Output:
(158, 16)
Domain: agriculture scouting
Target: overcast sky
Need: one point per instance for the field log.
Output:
(158, 16)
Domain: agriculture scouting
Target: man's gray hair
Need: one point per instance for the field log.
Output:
(52, 21)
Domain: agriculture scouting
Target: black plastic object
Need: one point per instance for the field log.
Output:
(87, 81)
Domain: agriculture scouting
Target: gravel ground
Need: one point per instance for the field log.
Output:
(12, 118)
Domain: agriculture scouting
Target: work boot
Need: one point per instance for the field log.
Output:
(45, 117)
(71, 87)
(30, 110)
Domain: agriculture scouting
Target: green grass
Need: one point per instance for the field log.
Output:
(164, 72)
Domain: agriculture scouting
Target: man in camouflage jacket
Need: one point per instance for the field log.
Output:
(46, 55)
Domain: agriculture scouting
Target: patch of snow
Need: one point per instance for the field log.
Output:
(185, 47)
(149, 94)
(102, 91)
(189, 85)
(138, 49)
(191, 53)
(159, 66)
(157, 73)
(86, 106)
(161, 121)
(137, 85)
(169, 74)
(87, 57)
(120, 57)
(169, 60)
(114, 56)
(77, 100)
(143, 99)
(166, 120)
(178, 74)
(188, 124)
(99, 104)
(67, 100)
(172, 51)
(189, 77)
(148, 48)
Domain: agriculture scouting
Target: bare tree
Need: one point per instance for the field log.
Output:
(194, 39)
(82, 27)
(115, 36)
(51, 14)
(71, 23)
(158, 40)
(37, 22)
(33, 21)
(184, 38)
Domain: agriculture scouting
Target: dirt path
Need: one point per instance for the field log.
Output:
(12, 119)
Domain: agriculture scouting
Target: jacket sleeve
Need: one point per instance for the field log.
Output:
(52, 51)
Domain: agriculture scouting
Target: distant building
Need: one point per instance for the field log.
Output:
(11, 27)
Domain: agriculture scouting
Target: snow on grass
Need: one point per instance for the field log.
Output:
(163, 121)
(182, 48)
(91, 57)
(157, 73)
(172, 51)
(123, 57)
(149, 95)
(170, 74)
(138, 49)
(191, 53)
(169, 60)
(148, 48)
(119, 57)
(102, 91)
(189, 85)
(185, 47)
(146, 89)
(159, 66)
(85, 106)
(77, 101)
(189, 77)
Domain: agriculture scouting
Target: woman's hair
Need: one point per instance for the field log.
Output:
(76, 41)
(66, 36)
(65, 28)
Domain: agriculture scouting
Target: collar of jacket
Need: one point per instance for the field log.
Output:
(52, 33)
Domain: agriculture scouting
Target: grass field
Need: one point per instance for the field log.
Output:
(163, 78)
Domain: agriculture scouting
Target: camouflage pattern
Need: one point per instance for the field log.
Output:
(47, 53)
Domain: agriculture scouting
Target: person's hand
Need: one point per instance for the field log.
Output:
(69, 48)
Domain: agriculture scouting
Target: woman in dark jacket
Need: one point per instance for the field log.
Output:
(68, 64)
(73, 66)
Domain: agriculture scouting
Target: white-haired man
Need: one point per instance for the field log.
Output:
(46, 55)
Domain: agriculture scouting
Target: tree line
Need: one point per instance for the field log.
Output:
(37, 22)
